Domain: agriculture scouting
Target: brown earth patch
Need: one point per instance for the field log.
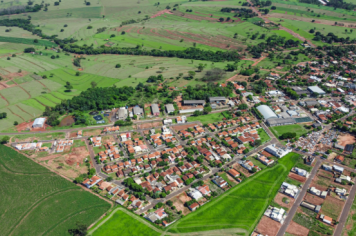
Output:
(24, 126)
(313, 199)
(73, 135)
(179, 201)
(297, 229)
(67, 121)
(297, 177)
(161, 13)
(183, 127)
(346, 139)
(267, 226)
(280, 196)
(239, 168)
(92, 132)
(108, 138)
(149, 125)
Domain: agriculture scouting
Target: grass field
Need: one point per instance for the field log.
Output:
(279, 130)
(263, 135)
(350, 227)
(206, 119)
(127, 223)
(241, 207)
(30, 204)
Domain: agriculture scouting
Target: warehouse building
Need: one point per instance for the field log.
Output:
(217, 99)
(39, 122)
(194, 102)
(280, 121)
(266, 112)
(169, 108)
(316, 89)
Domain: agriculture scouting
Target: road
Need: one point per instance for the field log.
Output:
(299, 199)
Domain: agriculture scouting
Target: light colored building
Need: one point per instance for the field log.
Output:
(266, 112)
(276, 151)
(39, 122)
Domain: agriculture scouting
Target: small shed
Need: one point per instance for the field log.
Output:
(39, 122)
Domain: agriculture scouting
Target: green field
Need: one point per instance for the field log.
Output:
(39, 202)
(207, 119)
(126, 222)
(350, 228)
(241, 207)
(263, 135)
(279, 130)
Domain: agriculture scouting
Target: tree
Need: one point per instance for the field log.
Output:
(68, 86)
(35, 40)
(201, 67)
(257, 142)
(243, 106)
(109, 179)
(5, 140)
(93, 84)
(16, 123)
(191, 74)
(118, 66)
(80, 230)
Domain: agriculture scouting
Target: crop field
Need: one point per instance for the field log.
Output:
(33, 194)
(126, 222)
(242, 206)
(279, 130)
(26, 41)
(350, 226)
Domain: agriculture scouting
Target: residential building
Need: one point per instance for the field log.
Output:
(169, 108)
(155, 109)
(219, 181)
(276, 151)
(121, 113)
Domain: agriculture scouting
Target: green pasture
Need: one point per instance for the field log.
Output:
(280, 130)
(207, 119)
(39, 137)
(350, 231)
(126, 222)
(241, 207)
(33, 194)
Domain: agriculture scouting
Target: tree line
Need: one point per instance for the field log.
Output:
(68, 46)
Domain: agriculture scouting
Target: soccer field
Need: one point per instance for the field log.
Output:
(280, 130)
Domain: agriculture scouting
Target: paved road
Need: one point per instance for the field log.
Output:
(299, 200)
(345, 212)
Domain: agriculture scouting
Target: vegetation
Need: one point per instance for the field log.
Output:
(32, 205)
(254, 195)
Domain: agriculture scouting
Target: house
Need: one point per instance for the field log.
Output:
(289, 190)
(233, 173)
(181, 119)
(121, 113)
(155, 109)
(80, 134)
(338, 169)
(265, 160)
(137, 111)
(204, 189)
(195, 194)
(169, 108)
(301, 172)
(96, 141)
(219, 181)
(309, 160)
(326, 219)
(193, 206)
(91, 182)
(339, 159)
(327, 167)
(159, 214)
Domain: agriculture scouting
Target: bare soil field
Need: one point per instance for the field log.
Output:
(179, 201)
(239, 168)
(267, 226)
(332, 156)
(319, 183)
(182, 127)
(313, 199)
(67, 121)
(149, 125)
(28, 126)
(91, 132)
(297, 177)
(280, 196)
(161, 13)
(297, 229)
(108, 138)
(346, 139)
(349, 224)
(73, 135)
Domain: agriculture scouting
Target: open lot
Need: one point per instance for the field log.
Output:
(267, 226)
(241, 207)
(30, 204)
(345, 139)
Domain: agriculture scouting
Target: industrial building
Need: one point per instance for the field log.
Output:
(169, 108)
(39, 122)
(121, 113)
(277, 152)
(217, 99)
(316, 89)
(194, 102)
(280, 121)
(266, 112)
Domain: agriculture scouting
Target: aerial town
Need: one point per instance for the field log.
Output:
(178, 118)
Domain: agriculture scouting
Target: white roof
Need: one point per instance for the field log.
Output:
(39, 121)
(266, 112)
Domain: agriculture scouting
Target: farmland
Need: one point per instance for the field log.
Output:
(33, 194)
(242, 206)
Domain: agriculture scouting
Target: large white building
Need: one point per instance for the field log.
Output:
(39, 122)
(266, 112)
(276, 151)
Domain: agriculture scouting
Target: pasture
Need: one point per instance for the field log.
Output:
(280, 130)
(240, 208)
(126, 222)
(30, 204)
